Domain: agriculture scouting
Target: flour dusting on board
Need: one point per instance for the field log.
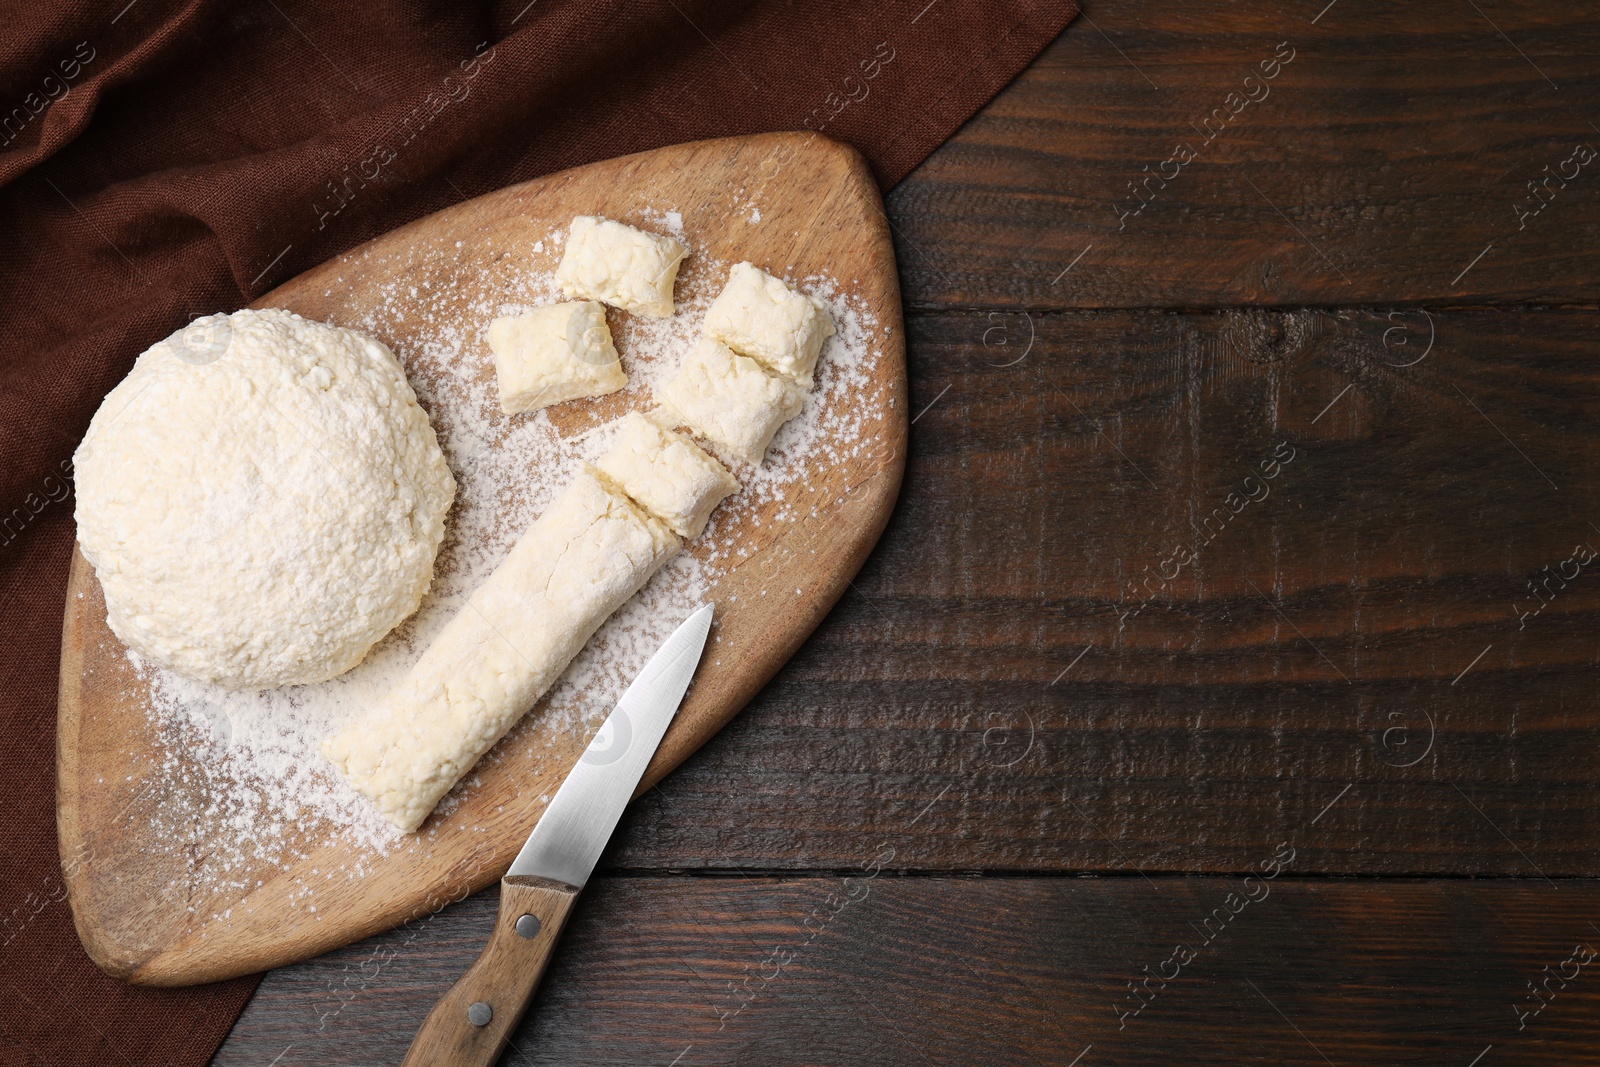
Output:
(248, 761)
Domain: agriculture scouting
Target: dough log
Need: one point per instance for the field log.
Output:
(578, 563)
(592, 550)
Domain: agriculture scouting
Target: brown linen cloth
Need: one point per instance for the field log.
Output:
(161, 160)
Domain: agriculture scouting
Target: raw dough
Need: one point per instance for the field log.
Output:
(759, 316)
(261, 499)
(730, 399)
(625, 267)
(578, 563)
(555, 353)
(666, 474)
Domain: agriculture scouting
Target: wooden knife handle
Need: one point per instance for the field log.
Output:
(471, 1024)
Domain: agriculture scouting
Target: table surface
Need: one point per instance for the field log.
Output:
(1223, 688)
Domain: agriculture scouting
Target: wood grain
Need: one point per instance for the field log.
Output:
(998, 971)
(500, 981)
(146, 905)
(1381, 162)
(991, 691)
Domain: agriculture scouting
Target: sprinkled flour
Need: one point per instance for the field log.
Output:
(249, 761)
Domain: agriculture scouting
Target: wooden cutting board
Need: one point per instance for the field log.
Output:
(144, 903)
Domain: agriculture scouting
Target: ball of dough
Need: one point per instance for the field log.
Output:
(262, 500)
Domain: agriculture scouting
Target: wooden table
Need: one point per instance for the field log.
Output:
(1245, 532)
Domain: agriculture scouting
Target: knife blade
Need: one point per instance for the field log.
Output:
(472, 1023)
(568, 840)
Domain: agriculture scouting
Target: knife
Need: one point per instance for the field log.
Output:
(472, 1023)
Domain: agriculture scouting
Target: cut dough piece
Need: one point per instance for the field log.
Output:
(555, 353)
(625, 267)
(578, 563)
(760, 316)
(729, 399)
(666, 474)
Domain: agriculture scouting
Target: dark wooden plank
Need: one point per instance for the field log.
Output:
(916, 971)
(992, 691)
(1379, 163)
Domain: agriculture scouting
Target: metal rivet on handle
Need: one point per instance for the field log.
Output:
(480, 1014)
(528, 927)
